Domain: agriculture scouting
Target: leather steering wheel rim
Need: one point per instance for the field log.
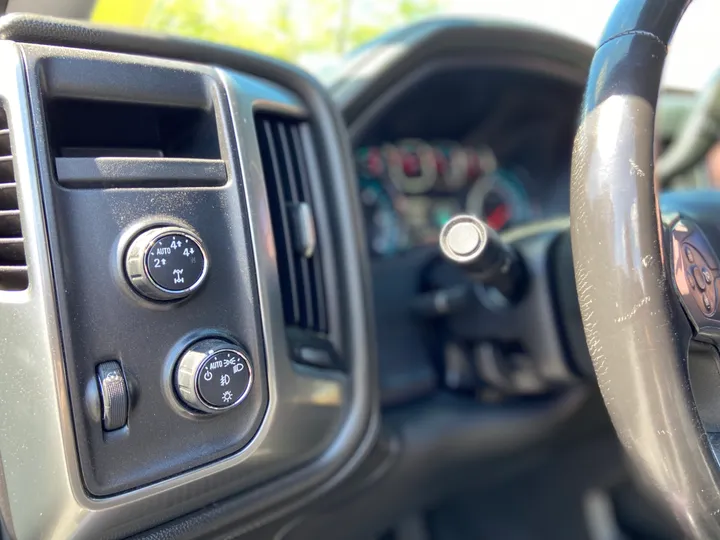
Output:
(637, 335)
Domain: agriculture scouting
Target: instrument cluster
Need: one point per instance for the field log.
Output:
(410, 189)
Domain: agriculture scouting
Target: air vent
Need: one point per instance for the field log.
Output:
(13, 270)
(283, 143)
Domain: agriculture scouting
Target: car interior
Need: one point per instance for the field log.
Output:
(464, 288)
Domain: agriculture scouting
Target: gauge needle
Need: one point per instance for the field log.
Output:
(498, 218)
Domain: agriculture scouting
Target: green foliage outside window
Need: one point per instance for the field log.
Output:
(289, 29)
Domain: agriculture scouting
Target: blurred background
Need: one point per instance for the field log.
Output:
(317, 33)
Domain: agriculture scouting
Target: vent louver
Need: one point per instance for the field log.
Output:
(13, 269)
(283, 142)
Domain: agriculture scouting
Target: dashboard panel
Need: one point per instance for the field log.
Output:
(317, 448)
(489, 89)
(489, 142)
(410, 189)
(156, 368)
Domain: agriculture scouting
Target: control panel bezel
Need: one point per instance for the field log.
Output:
(100, 322)
(332, 411)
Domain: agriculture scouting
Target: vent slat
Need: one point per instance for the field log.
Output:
(283, 237)
(11, 251)
(5, 142)
(13, 278)
(287, 178)
(13, 268)
(306, 286)
(316, 262)
(8, 197)
(10, 222)
(6, 170)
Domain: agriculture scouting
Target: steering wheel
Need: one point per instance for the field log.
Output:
(647, 283)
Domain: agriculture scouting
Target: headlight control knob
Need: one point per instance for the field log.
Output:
(166, 263)
(213, 375)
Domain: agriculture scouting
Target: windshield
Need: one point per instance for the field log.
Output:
(317, 33)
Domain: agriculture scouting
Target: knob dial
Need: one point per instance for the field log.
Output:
(166, 263)
(213, 375)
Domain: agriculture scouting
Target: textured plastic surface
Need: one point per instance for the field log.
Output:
(113, 395)
(389, 70)
(99, 319)
(327, 418)
(138, 172)
(433, 449)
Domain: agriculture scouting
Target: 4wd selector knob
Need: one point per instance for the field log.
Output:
(166, 263)
(213, 375)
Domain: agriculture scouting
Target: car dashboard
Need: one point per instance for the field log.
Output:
(218, 278)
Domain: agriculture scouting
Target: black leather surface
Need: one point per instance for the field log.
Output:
(656, 19)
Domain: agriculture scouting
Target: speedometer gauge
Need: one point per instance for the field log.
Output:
(499, 199)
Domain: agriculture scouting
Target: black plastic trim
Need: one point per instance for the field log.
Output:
(437, 447)
(445, 43)
(139, 172)
(99, 321)
(339, 221)
(63, 77)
